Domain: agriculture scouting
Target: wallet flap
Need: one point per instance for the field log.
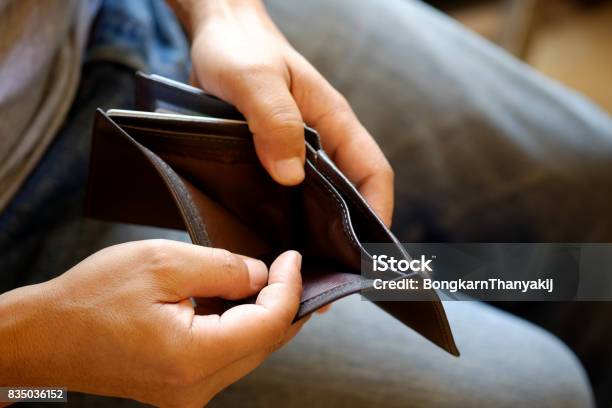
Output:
(116, 168)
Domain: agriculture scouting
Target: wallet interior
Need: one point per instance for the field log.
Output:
(243, 210)
(202, 174)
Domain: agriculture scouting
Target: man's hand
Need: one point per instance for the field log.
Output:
(121, 323)
(240, 56)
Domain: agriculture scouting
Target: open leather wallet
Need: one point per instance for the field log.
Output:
(186, 160)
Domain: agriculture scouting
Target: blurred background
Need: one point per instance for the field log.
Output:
(569, 40)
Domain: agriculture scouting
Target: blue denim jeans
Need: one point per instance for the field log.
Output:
(483, 147)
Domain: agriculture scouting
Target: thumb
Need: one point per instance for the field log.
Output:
(251, 328)
(276, 124)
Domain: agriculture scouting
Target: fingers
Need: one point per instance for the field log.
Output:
(276, 123)
(282, 295)
(246, 329)
(377, 189)
(186, 270)
(277, 98)
(344, 138)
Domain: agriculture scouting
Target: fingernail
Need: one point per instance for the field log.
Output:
(289, 171)
(258, 272)
(298, 259)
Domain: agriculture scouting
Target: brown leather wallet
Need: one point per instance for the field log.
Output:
(186, 160)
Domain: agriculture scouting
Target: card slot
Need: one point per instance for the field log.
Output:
(318, 197)
(248, 193)
(366, 224)
(211, 136)
(203, 146)
(213, 154)
(122, 181)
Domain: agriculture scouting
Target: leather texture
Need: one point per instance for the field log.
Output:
(205, 177)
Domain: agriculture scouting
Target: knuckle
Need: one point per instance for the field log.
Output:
(252, 69)
(245, 75)
(341, 103)
(284, 118)
(226, 261)
(157, 255)
(338, 111)
(282, 127)
(337, 104)
(388, 172)
(242, 77)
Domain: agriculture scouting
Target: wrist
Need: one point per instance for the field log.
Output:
(24, 318)
(194, 13)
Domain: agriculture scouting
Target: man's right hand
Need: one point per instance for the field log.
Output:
(121, 323)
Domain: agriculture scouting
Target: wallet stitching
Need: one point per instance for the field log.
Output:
(172, 185)
(357, 203)
(345, 217)
(185, 194)
(332, 290)
(437, 312)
